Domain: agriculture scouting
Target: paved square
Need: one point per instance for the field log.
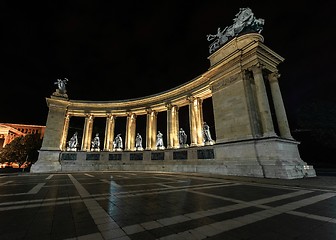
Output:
(139, 205)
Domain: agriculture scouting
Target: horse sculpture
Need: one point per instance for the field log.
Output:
(244, 22)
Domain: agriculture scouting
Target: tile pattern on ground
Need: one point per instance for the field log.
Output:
(143, 205)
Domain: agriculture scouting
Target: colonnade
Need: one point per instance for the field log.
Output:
(267, 125)
(196, 126)
(263, 123)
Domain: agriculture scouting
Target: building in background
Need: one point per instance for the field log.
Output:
(10, 131)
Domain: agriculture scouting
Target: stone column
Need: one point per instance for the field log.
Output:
(279, 107)
(172, 126)
(130, 132)
(151, 128)
(199, 121)
(169, 125)
(109, 132)
(263, 104)
(176, 126)
(65, 132)
(192, 123)
(196, 121)
(87, 133)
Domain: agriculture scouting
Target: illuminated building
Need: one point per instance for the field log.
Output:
(10, 131)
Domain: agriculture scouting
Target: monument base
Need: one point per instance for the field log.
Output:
(266, 157)
(277, 157)
(48, 161)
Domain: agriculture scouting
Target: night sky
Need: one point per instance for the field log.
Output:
(122, 49)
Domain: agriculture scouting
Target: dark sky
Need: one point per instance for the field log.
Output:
(122, 49)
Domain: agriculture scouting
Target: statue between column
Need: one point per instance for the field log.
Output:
(159, 141)
(95, 144)
(183, 139)
(73, 143)
(138, 142)
(207, 135)
(117, 143)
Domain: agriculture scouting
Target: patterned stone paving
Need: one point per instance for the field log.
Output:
(139, 205)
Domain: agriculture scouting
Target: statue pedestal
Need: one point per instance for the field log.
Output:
(95, 150)
(139, 149)
(71, 149)
(59, 94)
(184, 145)
(209, 143)
(161, 148)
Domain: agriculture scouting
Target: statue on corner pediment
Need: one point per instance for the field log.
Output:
(244, 22)
(61, 89)
(61, 85)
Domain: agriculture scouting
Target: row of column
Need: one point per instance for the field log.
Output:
(196, 124)
(195, 119)
(264, 107)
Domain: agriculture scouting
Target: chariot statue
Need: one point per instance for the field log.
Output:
(244, 22)
(61, 85)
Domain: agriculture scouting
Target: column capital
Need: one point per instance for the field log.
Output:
(89, 115)
(110, 116)
(169, 105)
(150, 111)
(131, 115)
(274, 76)
(256, 67)
(190, 98)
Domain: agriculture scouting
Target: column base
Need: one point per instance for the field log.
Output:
(48, 161)
(269, 134)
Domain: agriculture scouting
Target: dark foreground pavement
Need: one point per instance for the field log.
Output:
(139, 205)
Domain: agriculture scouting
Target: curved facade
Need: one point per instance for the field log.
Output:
(249, 141)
